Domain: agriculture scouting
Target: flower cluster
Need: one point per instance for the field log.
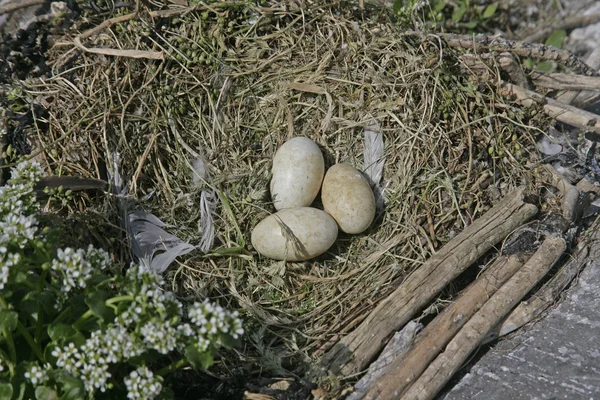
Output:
(36, 375)
(148, 321)
(78, 266)
(142, 384)
(7, 260)
(91, 362)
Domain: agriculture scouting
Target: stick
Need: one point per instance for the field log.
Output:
(152, 55)
(18, 4)
(528, 310)
(443, 328)
(533, 50)
(475, 330)
(351, 354)
(565, 81)
(566, 24)
(394, 350)
(564, 113)
(584, 98)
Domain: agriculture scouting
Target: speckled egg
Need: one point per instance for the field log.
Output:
(295, 234)
(348, 198)
(298, 169)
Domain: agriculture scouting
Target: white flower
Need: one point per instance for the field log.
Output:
(36, 375)
(160, 336)
(143, 385)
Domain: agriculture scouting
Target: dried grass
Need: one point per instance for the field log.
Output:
(237, 81)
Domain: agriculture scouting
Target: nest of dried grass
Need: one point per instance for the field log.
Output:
(223, 94)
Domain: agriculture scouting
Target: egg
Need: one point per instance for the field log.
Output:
(298, 169)
(295, 234)
(348, 198)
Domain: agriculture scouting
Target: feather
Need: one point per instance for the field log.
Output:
(374, 161)
(208, 205)
(145, 230)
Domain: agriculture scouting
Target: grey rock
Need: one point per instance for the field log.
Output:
(556, 358)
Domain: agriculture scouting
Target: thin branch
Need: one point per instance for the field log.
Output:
(533, 50)
(566, 24)
(564, 113)
(18, 4)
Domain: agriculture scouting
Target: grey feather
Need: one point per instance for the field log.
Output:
(374, 161)
(144, 230)
(208, 205)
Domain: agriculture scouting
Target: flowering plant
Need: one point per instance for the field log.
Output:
(72, 326)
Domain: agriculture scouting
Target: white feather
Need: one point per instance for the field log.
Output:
(208, 205)
(374, 161)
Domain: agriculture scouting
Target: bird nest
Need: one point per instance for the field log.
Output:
(219, 87)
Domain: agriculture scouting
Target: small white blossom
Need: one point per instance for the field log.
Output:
(159, 336)
(142, 384)
(36, 375)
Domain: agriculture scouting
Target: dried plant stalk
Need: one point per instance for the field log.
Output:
(442, 329)
(354, 352)
(561, 112)
(475, 330)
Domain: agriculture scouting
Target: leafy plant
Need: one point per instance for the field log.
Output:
(73, 326)
(461, 14)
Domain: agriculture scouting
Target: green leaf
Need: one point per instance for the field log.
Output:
(228, 341)
(398, 4)
(75, 393)
(459, 12)
(439, 6)
(490, 10)
(45, 393)
(96, 302)
(557, 38)
(6, 391)
(8, 320)
(197, 359)
(470, 24)
(59, 332)
(544, 66)
(71, 387)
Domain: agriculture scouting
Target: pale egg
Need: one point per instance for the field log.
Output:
(348, 198)
(295, 234)
(298, 169)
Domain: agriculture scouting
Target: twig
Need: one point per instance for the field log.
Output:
(564, 113)
(565, 81)
(566, 24)
(583, 98)
(152, 55)
(394, 350)
(18, 4)
(513, 69)
(475, 330)
(570, 194)
(533, 50)
(528, 310)
(356, 350)
(442, 329)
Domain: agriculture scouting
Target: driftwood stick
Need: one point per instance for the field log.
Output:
(564, 113)
(533, 50)
(528, 310)
(18, 4)
(565, 81)
(354, 352)
(566, 24)
(475, 330)
(570, 194)
(434, 338)
(396, 348)
(583, 98)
